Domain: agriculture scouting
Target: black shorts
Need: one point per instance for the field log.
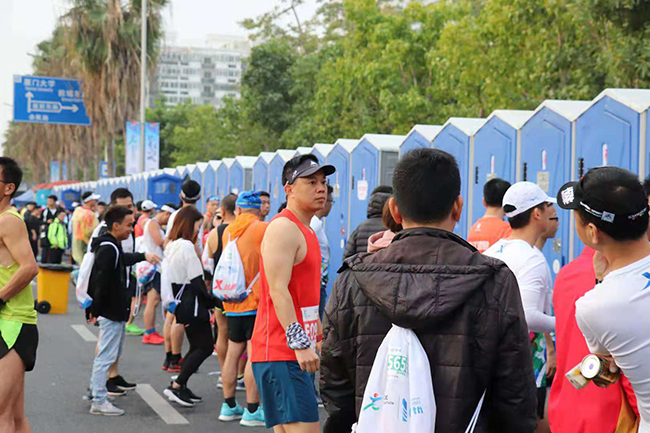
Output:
(240, 328)
(153, 284)
(25, 345)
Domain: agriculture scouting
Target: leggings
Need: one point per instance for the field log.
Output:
(201, 347)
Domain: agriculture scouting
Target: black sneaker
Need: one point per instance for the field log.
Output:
(165, 366)
(195, 398)
(122, 384)
(113, 390)
(179, 395)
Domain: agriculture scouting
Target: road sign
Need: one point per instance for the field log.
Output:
(49, 100)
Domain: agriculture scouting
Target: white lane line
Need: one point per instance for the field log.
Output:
(85, 333)
(160, 405)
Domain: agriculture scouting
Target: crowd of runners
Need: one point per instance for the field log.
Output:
(508, 347)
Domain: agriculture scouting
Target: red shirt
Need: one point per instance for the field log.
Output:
(487, 231)
(590, 409)
(269, 342)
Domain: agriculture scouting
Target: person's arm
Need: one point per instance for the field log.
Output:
(52, 232)
(532, 286)
(14, 236)
(550, 355)
(514, 395)
(279, 248)
(131, 259)
(154, 231)
(337, 355)
(102, 277)
(351, 246)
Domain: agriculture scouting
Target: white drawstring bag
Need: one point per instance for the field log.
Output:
(81, 289)
(229, 281)
(399, 396)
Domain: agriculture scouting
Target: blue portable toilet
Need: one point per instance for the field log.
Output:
(496, 145)
(337, 222)
(208, 185)
(223, 177)
(276, 165)
(419, 136)
(261, 172)
(210, 178)
(613, 132)
(164, 188)
(70, 195)
(545, 159)
(140, 186)
(195, 174)
(181, 171)
(241, 173)
(303, 150)
(372, 162)
(321, 150)
(457, 138)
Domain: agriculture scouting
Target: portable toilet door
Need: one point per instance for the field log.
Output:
(69, 196)
(457, 138)
(207, 183)
(612, 132)
(210, 178)
(276, 166)
(164, 188)
(321, 150)
(241, 173)
(223, 177)
(372, 162)
(337, 222)
(495, 148)
(261, 172)
(421, 136)
(545, 159)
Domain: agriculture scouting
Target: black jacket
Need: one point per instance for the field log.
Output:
(358, 241)
(465, 309)
(108, 280)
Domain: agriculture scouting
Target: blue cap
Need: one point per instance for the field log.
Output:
(249, 200)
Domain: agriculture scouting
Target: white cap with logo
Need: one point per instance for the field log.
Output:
(148, 205)
(523, 196)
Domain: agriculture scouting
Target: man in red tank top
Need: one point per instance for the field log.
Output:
(288, 329)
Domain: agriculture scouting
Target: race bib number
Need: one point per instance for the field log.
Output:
(310, 323)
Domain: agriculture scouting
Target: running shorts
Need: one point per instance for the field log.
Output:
(288, 394)
(20, 337)
(240, 328)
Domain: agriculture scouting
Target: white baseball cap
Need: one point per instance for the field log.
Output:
(523, 196)
(148, 205)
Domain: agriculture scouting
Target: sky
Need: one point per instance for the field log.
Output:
(24, 23)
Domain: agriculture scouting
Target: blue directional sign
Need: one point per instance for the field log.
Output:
(49, 100)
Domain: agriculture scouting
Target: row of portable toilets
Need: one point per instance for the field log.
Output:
(557, 142)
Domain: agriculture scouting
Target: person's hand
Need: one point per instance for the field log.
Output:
(601, 266)
(152, 258)
(308, 360)
(551, 367)
(91, 320)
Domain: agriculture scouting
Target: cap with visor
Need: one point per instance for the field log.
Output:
(309, 165)
(523, 196)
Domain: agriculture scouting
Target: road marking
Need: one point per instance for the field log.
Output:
(85, 333)
(160, 405)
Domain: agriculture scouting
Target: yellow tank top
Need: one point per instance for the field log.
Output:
(20, 308)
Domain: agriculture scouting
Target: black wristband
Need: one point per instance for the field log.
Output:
(598, 281)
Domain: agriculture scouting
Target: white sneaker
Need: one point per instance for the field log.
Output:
(106, 409)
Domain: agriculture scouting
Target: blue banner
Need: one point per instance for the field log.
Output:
(132, 148)
(64, 171)
(152, 147)
(55, 171)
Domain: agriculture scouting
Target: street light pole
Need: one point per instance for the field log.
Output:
(143, 82)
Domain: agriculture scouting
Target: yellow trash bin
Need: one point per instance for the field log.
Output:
(53, 284)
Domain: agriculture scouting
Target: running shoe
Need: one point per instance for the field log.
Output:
(179, 395)
(113, 389)
(155, 338)
(165, 366)
(122, 384)
(231, 414)
(132, 329)
(220, 382)
(241, 386)
(195, 398)
(106, 408)
(174, 367)
(255, 419)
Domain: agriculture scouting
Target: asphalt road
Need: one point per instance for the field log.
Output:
(54, 390)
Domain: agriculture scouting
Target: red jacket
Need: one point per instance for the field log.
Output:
(590, 409)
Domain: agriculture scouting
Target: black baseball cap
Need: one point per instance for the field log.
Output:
(614, 195)
(307, 166)
(191, 190)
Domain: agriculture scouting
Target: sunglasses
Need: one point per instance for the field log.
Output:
(554, 219)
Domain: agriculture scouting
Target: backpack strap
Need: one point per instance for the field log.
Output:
(117, 252)
(477, 412)
(250, 286)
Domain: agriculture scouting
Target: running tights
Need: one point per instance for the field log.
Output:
(201, 347)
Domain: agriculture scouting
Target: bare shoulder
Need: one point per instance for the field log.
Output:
(10, 223)
(282, 232)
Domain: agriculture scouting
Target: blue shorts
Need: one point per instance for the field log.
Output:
(288, 393)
